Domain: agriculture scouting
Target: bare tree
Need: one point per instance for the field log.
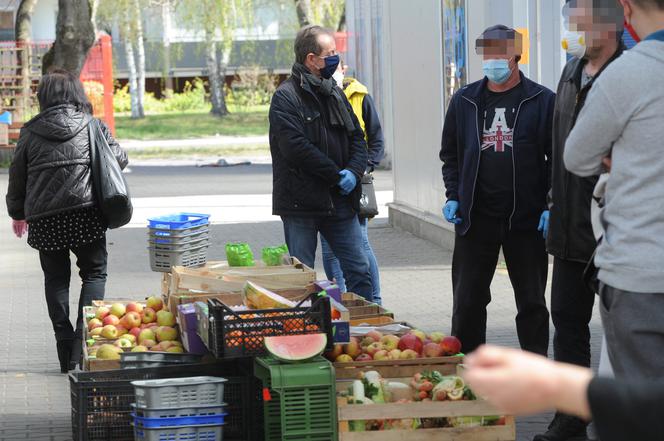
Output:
(74, 36)
(23, 31)
(302, 8)
(140, 52)
(327, 13)
(23, 25)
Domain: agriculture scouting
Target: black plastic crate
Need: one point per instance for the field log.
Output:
(101, 401)
(241, 334)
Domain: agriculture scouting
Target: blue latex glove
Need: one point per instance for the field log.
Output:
(544, 223)
(348, 181)
(450, 212)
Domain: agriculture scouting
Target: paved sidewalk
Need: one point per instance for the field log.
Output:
(213, 141)
(34, 397)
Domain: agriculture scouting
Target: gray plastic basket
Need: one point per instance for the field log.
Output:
(179, 392)
(134, 360)
(203, 233)
(162, 261)
(179, 412)
(179, 247)
(180, 433)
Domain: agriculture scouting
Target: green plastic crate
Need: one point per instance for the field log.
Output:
(303, 404)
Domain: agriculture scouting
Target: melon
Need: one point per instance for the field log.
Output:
(257, 297)
(294, 348)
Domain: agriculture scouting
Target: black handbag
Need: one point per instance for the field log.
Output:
(368, 202)
(108, 182)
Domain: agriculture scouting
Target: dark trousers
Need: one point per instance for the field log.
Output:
(571, 310)
(634, 332)
(344, 235)
(473, 266)
(91, 261)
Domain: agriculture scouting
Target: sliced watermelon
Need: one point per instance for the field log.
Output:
(294, 348)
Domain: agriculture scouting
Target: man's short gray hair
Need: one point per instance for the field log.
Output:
(306, 41)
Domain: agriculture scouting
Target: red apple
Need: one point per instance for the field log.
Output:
(366, 341)
(335, 352)
(412, 342)
(134, 307)
(450, 345)
(420, 334)
(111, 320)
(135, 331)
(381, 355)
(155, 303)
(373, 348)
(364, 357)
(148, 343)
(353, 348)
(94, 323)
(118, 309)
(375, 335)
(122, 330)
(432, 350)
(149, 315)
(132, 320)
(102, 312)
(166, 333)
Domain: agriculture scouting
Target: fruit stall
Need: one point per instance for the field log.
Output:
(251, 350)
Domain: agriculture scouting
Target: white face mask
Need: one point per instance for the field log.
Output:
(575, 43)
(339, 78)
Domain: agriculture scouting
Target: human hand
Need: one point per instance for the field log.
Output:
(544, 223)
(450, 212)
(607, 163)
(522, 383)
(347, 182)
(20, 227)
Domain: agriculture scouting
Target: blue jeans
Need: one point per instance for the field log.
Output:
(333, 268)
(344, 235)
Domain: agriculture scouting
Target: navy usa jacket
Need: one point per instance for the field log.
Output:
(461, 152)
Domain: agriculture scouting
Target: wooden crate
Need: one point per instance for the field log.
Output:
(361, 311)
(397, 368)
(372, 321)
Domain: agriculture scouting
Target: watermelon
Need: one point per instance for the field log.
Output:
(257, 297)
(295, 348)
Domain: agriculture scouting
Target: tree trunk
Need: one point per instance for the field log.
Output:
(23, 27)
(216, 87)
(302, 7)
(140, 52)
(342, 21)
(131, 65)
(166, 39)
(74, 36)
(23, 31)
(222, 64)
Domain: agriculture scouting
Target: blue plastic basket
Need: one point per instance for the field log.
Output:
(198, 420)
(179, 221)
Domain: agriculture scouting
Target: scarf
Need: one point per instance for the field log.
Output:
(336, 100)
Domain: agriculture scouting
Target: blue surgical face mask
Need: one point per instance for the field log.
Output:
(331, 64)
(497, 71)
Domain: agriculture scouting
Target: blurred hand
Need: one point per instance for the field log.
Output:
(607, 163)
(450, 212)
(522, 383)
(347, 182)
(20, 227)
(544, 223)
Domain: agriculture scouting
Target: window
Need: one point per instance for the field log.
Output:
(454, 47)
(6, 25)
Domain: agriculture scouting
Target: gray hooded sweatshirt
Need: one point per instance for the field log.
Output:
(624, 118)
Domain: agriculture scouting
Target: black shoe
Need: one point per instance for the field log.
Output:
(76, 353)
(64, 348)
(564, 428)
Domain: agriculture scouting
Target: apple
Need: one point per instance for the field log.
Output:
(96, 331)
(149, 315)
(146, 334)
(373, 348)
(166, 344)
(140, 348)
(408, 354)
(122, 330)
(353, 348)
(177, 343)
(134, 307)
(123, 343)
(157, 348)
(102, 312)
(165, 333)
(432, 350)
(437, 337)
(344, 358)
(420, 334)
(108, 352)
(364, 357)
(336, 351)
(390, 342)
(395, 354)
(118, 309)
(111, 320)
(132, 320)
(109, 331)
(375, 335)
(176, 349)
(148, 343)
(165, 318)
(450, 345)
(155, 303)
(129, 337)
(94, 323)
(381, 355)
(135, 331)
(412, 342)
(366, 341)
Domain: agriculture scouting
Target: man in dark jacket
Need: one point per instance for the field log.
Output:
(593, 40)
(319, 156)
(495, 152)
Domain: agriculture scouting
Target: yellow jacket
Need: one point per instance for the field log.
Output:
(355, 92)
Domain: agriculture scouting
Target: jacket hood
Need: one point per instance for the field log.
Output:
(645, 48)
(59, 123)
(352, 86)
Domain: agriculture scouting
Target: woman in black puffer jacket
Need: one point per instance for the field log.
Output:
(50, 197)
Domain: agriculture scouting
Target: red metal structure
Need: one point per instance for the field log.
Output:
(97, 77)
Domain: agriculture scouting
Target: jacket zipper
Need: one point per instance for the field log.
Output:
(516, 121)
(479, 158)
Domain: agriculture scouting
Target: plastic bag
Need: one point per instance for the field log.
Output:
(272, 256)
(239, 254)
